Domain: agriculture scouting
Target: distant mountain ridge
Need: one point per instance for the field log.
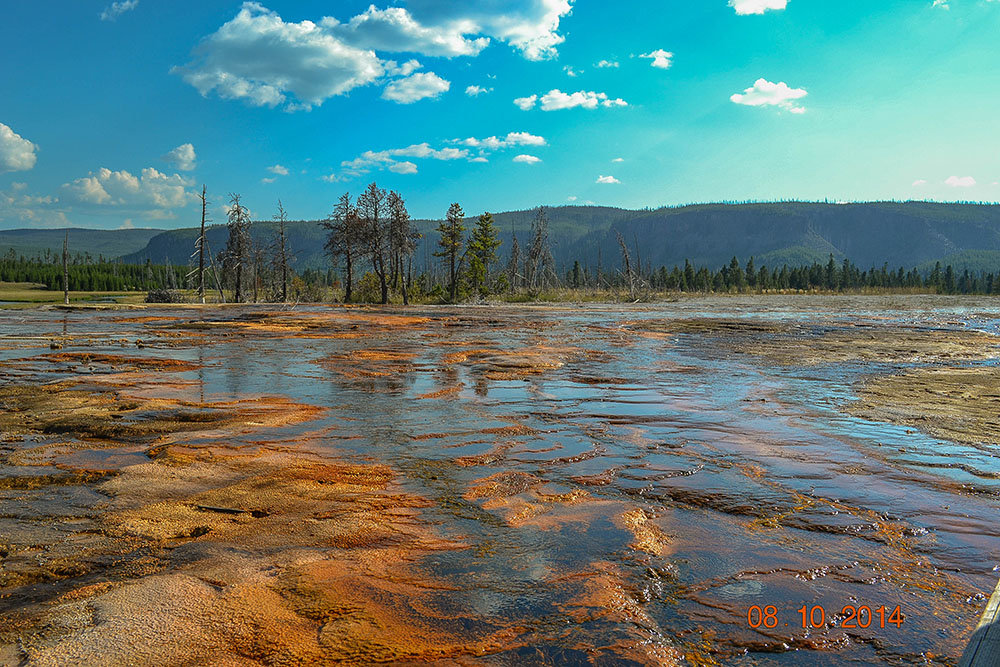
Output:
(904, 234)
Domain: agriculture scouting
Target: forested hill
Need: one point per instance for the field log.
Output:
(902, 234)
(109, 243)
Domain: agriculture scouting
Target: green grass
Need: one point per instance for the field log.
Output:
(28, 295)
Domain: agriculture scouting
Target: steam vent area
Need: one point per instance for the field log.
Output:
(712, 481)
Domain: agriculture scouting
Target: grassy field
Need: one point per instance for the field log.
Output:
(28, 295)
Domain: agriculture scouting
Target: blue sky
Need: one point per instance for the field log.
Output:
(114, 113)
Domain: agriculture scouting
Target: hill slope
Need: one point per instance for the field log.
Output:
(903, 234)
(110, 243)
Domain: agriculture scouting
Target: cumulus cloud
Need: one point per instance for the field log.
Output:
(526, 103)
(116, 9)
(263, 60)
(476, 91)
(152, 192)
(415, 87)
(619, 159)
(766, 93)
(572, 198)
(183, 157)
(661, 59)
(960, 181)
(744, 7)
(919, 182)
(462, 149)
(607, 179)
(16, 152)
(530, 26)
(394, 69)
(395, 30)
(19, 207)
(406, 167)
(556, 99)
(388, 159)
(527, 159)
(570, 71)
(278, 169)
(512, 139)
(603, 64)
(259, 58)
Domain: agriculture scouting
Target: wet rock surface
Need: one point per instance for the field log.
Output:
(508, 485)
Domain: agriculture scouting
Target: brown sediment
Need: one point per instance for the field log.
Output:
(118, 362)
(958, 404)
(608, 598)
(502, 485)
(661, 328)
(649, 537)
(497, 364)
(884, 344)
(67, 408)
(442, 393)
(317, 566)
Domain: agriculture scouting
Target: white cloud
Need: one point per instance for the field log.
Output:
(919, 182)
(619, 159)
(153, 193)
(607, 179)
(415, 87)
(387, 159)
(943, 4)
(268, 180)
(606, 64)
(744, 7)
(183, 157)
(263, 60)
(19, 207)
(766, 93)
(661, 59)
(572, 198)
(960, 181)
(16, 152)
(512, 139)
(527, 159)
(406, 167)
(556, 99)
(531, 26)
(127, 224)
(116, 9)
(526, 103)
(476, 91)
(395, 30)
(406, 69)
(570, 71)
(278, 169)
(392, 159)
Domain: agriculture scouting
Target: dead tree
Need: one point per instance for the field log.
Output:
(201, 245)
(629, 276)
(282, 251)
(65, 259)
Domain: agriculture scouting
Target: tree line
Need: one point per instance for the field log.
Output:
(371, 241)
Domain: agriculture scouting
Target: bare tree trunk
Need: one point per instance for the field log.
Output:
(628, 267)
(65, 258)
(201, 247)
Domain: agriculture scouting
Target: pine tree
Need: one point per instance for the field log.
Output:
(451, 230)
(483, 251)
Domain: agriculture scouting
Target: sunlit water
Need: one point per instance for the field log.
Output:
(771, 494)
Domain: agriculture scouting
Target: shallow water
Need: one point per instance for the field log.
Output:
(754, 485)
